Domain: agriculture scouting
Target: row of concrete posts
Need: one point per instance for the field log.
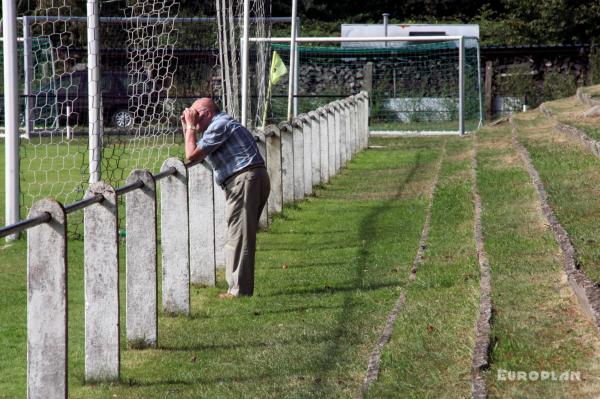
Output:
(299, 155)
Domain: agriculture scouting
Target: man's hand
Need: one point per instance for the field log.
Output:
(190, 117)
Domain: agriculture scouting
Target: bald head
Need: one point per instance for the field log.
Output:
(205, 109)
(205, 103)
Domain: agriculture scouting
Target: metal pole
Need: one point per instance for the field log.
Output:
(385, 26)
(28, 69)
(479, 85)
(94, 95)
(337, 39)
(292, 59)
(245, 54)
(296, 69)
(461, 86)
(11, 113)
(69, 129)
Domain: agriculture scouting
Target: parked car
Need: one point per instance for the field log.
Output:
(66, 98)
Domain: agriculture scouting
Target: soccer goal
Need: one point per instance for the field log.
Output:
(421, 85)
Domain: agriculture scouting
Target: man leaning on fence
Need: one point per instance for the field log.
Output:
(239, 169)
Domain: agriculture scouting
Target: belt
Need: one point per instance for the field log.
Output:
(239, 172)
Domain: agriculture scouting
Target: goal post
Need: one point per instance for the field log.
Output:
(430, 84)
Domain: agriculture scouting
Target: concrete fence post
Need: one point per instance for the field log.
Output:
(220, 224)
(47, 304)
(331, 127)
(202, 225)
(273, 144)
(351, 112)
(263, 222)
(324, 141)
(101, 279)
(298, 147)
(141, 294)
(287, 162)
(349, 128)
(356, 113)
(359, 123)
(308, 148)
(361, 116)
(337, 108)
(315, 151)
(366, 115)
(343, 153)
(175, 239)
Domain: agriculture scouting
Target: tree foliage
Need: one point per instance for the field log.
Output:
(504, 22)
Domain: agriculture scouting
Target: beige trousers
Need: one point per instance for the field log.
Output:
(246, 196)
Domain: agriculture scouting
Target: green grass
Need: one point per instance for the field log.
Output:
(328, 272)
(571, 176)
(331, 268)
(422, 126)
(570, 112)
(429, 354)
(536, 324)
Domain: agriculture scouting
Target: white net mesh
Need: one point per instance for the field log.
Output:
(52, 161)
(151, 39)
(230, 29)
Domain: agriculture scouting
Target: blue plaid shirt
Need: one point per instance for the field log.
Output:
(229, 146)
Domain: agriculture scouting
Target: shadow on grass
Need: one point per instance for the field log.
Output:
(331, 356)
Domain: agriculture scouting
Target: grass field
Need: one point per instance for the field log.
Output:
(331, 268)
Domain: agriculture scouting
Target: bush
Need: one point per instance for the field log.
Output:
(558, 85)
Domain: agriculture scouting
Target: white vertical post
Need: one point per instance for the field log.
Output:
(101, 271)
(343, 124)
(296, 73)
(69, 129)
(366, 115)
(351, 113)
(292, 72)
(308, 150)
(479, 84)
(245, 55)
(273, 144)
(174, 232)
(47, 304)
(461, 85)
(287, 162)
(11, 113)
(28, 72)
(315, 148)
(298, 148)
(141, 293)
(331, 130)
(324, 142)
(202, 225)
(220, 224)
(94, 95)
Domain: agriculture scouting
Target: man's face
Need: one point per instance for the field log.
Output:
(204, 115)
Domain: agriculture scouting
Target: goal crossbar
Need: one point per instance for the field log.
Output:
(336, 39)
